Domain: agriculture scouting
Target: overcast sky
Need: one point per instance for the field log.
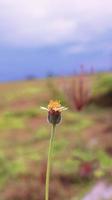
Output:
(40, 36)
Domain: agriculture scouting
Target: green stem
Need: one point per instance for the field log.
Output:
(49, 163)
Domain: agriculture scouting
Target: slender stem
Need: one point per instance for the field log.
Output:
(49, 163)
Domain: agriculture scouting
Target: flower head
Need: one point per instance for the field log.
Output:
(54, 105)
(54, 111)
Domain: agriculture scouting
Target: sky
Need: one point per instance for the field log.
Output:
(39, 37)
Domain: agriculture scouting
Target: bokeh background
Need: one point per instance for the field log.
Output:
(56, 50)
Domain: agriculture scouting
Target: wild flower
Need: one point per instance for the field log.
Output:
(54, 110)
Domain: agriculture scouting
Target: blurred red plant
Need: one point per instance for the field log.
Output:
(42, 172)
(78, 91)
(87, 168)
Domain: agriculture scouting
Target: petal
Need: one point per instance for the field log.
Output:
(43, 108)
(57, 109)
(62, 108)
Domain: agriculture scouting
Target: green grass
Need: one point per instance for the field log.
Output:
(27, 113)
(84, 154)
(10, 168)
(75, 123)
(104, 159)
(59, 146)
(103, 84)
(28, 153)
(42, 133)
(22, 93)
(8, 123)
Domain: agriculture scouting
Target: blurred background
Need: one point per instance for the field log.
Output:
(56, 50)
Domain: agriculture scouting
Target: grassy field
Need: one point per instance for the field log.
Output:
(83, 142)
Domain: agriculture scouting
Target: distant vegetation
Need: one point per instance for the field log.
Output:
(83, 143)
(103, 90)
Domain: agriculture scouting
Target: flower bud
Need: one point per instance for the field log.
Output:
(54, 117)
(54, 111)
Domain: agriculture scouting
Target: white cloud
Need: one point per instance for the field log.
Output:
(46, 22)
(98, 46)
(75, 49)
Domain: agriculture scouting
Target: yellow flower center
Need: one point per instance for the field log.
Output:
(54, 105)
